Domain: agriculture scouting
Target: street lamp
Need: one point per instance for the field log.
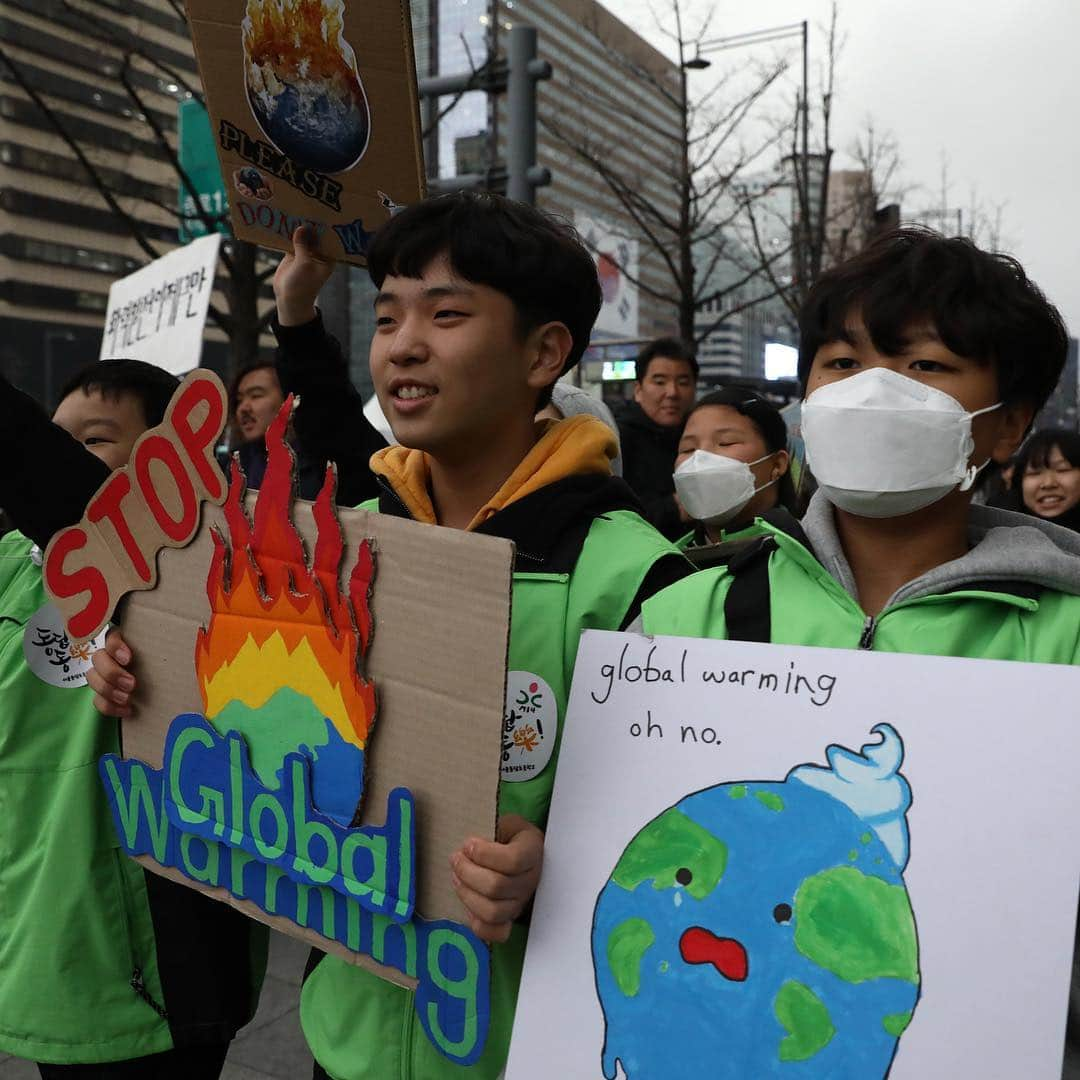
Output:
(763, 37)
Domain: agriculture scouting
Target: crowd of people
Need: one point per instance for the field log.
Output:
(923, 361)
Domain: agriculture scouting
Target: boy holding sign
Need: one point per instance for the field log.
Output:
(105, 967)
(483, 304)
(922, 359)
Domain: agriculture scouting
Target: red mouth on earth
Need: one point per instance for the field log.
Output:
(700, 946)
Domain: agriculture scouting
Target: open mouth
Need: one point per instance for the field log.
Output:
(700, 946)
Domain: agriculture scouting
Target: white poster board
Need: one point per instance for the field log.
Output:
(616, 257)
(158, 313)
(768, 925)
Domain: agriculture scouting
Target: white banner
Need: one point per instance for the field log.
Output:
(617, 264)
(765, 860)
(158, 313)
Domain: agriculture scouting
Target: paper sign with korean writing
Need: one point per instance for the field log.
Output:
(158, 314)
(315, 111)
(816, 864)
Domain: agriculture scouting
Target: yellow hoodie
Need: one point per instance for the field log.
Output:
(580, 445)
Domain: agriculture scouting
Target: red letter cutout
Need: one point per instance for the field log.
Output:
(106, 506)
(87, 580)
(158, 447)
(197, 443)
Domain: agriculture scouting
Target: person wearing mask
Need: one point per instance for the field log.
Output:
(483, 303)
(921, 359)
(1048, 475)
(650, 427)
(106, 970)
(731, 469)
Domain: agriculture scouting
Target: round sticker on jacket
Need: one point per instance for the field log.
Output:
(51, 656)
(530, 725)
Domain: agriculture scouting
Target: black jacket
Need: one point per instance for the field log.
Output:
(330, 424)
(648, 453)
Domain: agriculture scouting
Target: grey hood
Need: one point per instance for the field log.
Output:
(1005, 547)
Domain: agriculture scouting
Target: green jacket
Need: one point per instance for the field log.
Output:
(580, 566)
(76, 936)
(1014, 596)
(83, 977)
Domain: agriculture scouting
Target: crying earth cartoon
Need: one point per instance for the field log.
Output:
(764, 929)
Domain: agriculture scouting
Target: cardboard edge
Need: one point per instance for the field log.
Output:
(282, 925)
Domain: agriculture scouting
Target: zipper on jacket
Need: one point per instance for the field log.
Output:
(136, 982)
(866, 639)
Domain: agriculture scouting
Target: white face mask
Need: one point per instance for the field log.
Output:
(880, 444)
(714, 488)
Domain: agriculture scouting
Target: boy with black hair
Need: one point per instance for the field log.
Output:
(650, 426)
(483, 303)
(105, 970)
(922, 359)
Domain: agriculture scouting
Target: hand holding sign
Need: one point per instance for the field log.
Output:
(299, 279)
(496, 880)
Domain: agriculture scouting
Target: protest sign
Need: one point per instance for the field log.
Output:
(314, 735)
(315, 111)
(158, 314)
(765, 860)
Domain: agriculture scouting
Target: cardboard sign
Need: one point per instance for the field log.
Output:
(315, 109)
(314, 735)
(158, 314)
(153, 502)
(765, 860)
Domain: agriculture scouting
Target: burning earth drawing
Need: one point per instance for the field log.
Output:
(764, 929)
(279, 660)
(303, 83)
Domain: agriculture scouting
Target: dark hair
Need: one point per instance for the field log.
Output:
(151, 386)
(534, 258)
(1036, 451)
(770, 424)
(670, 348)
(982, 305)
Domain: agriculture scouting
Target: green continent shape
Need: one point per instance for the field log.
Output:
(857, 926)
(805, 1019)
(770, 800)
(666, 845)
(738, 791)
(896, 1023)
(626, 945)
(286, 721)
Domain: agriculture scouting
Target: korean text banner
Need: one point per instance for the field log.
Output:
(158, 314)
(314, 108)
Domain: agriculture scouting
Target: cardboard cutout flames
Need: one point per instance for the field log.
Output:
(258, 797)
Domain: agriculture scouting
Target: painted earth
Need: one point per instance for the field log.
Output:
(755, 930)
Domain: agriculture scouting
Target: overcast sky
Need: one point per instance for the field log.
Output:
(994, 83)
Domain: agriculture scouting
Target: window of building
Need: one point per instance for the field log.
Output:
(45, 208)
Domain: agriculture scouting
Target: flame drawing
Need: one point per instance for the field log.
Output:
(279, 661)
(303, 83)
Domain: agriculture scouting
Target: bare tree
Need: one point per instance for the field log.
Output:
(247, 267)
(712, 145)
